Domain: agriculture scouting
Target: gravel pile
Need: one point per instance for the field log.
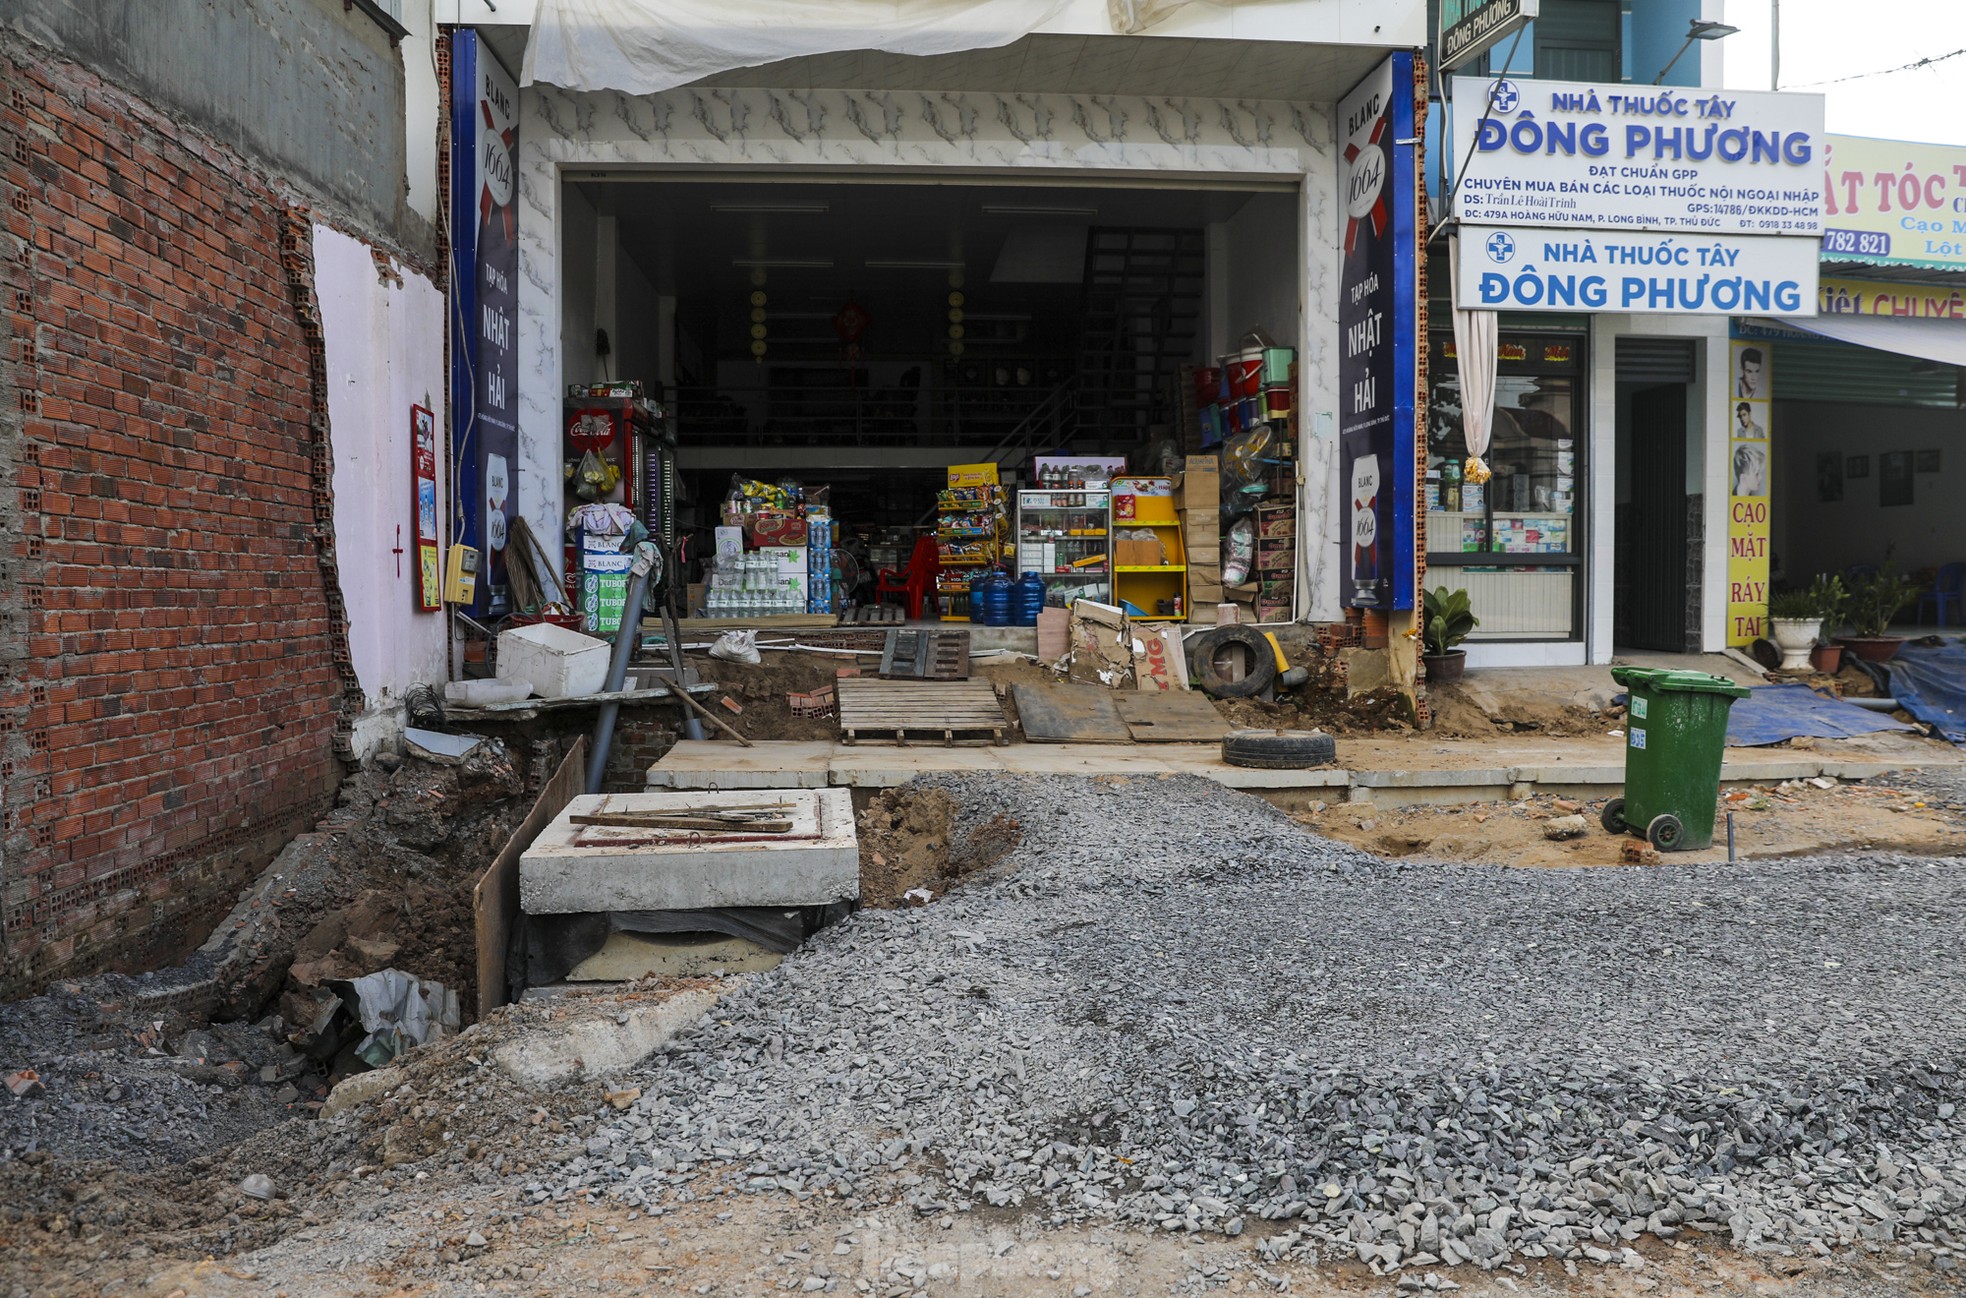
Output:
(1186, 1013)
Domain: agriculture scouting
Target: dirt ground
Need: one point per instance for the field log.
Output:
(1458, 716)
(908, 850)
(1794, 818)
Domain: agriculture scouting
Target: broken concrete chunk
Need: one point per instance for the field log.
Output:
(25, 1082)
(1563, 827)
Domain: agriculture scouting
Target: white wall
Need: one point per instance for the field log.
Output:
(385, 353)
(1812, 536)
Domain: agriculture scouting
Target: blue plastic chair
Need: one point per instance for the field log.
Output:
(1947, 594)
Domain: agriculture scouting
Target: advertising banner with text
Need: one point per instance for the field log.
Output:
(1894, 203)
(1521, 268)
(484, 310)
(1560, 153)
(1751, 388)
(1378, 328)
(1905, 301)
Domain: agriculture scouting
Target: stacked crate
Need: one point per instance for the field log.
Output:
(1276, 562)
(1199, 498)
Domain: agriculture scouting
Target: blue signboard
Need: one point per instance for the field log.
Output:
(1378, 336)
(484, 309)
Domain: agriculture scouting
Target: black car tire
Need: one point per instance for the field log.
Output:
(1262, 658)
(1279, 750)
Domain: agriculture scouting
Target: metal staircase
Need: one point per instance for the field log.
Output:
(1143, 319)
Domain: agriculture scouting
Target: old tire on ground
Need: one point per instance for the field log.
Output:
(1262, 662)
(1279, 750)
(1613, 817)
(1665, 832)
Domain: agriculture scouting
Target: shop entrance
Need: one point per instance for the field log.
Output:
(864, 336)
(1652, 561)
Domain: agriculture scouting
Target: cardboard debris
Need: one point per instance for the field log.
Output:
(1160, 662)
(1101, 648)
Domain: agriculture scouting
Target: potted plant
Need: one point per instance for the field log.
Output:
(1795, 619)
(1827, 656)
(1449, 619)
(1872, 603)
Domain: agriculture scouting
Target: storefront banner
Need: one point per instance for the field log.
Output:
(1378, 360)
(1469, 27)
(1562, 153)
(1894, 203)
(484, 343)
(1905, 301)
(1750, 395)
(1518, 268)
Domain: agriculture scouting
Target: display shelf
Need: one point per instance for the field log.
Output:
(1152, 567)
(1066, 525)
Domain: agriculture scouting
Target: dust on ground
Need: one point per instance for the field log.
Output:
(909, 853)
(1792, 818)
(1457, 715)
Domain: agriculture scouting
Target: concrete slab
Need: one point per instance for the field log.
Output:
(588, 869)
(624, 957)
(880, 766)
(1390, 770)
(720, 764)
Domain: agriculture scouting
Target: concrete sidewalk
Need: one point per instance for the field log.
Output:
(1389, 770)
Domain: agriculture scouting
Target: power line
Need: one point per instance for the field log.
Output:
(1909, 67)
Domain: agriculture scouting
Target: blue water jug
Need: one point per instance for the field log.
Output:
(994, 600)
(1026, 600)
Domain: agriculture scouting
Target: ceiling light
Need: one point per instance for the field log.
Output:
(876, 264)
(809, 209)
(1020, 209)
(783, 263)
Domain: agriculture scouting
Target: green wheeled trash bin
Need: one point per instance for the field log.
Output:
(1676, 729)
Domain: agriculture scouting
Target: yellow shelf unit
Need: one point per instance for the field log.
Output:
(1158, 587)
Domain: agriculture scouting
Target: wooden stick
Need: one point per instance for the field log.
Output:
(710, 716)
(629, 820)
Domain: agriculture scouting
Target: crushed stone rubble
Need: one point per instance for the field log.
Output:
(1184, 1013)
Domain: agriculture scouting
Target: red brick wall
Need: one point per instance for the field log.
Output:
(168, 682)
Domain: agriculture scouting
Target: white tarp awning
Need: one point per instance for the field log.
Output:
(643, 47)
(1933, 340)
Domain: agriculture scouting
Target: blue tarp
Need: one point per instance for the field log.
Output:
(1930, 683)
(1772, 713)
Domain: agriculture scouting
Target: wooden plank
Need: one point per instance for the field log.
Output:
(1069, 714)
(1171, 717)
(495, 898)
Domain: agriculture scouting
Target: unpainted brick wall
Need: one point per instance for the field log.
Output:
(168, 687)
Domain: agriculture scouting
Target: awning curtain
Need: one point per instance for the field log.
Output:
(643, 47)
(1932, 340)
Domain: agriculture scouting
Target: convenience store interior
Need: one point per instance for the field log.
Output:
(865, 335)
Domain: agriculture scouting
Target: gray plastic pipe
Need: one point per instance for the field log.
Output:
(625, 639)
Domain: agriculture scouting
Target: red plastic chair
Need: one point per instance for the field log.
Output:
(916, 582)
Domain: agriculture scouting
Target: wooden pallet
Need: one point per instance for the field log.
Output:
(925, 656)
(874, 615)
(904, 712)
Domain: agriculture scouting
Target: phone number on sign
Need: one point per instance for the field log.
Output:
(1860, 243)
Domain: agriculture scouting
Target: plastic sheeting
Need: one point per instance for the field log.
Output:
(1929, 681)
(643, 47)
(1772, 713)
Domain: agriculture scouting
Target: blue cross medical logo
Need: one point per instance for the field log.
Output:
(1500, 247)
(1503, 96)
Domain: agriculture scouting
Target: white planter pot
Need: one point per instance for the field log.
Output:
(1795, 637)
